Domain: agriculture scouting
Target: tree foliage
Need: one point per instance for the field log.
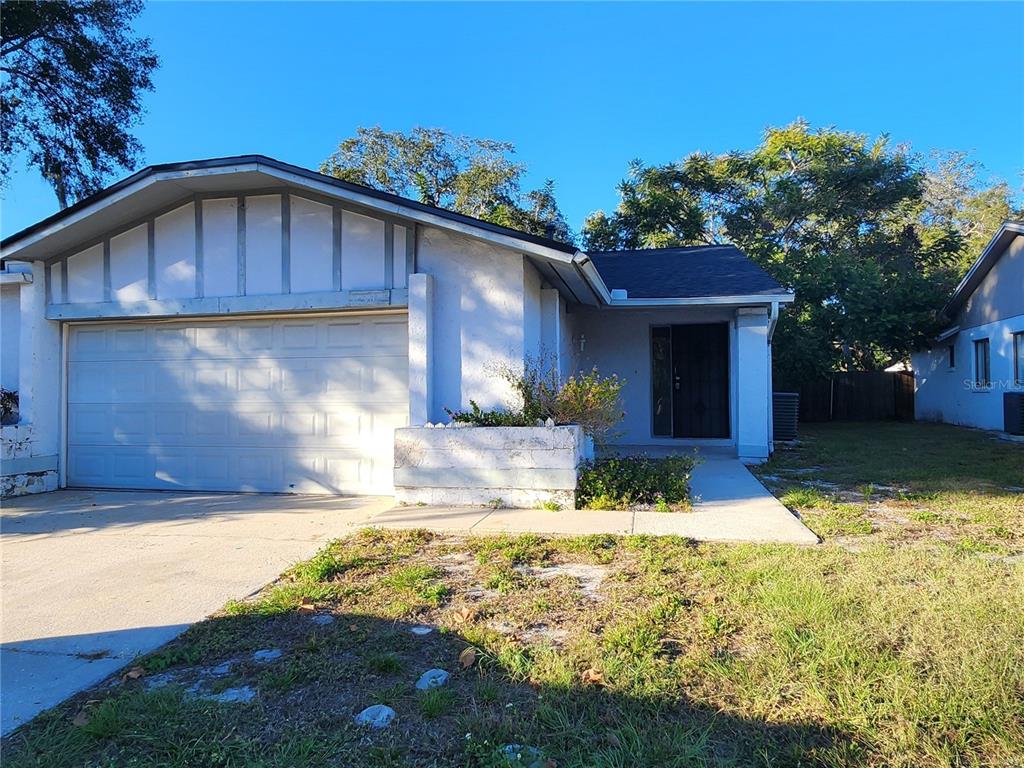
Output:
(476, 177)
(871, 243)
(72, 78)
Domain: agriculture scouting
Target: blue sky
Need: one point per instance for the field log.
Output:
(580, 89)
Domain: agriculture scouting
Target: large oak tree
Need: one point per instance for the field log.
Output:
(871, 239)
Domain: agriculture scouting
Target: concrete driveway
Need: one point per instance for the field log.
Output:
(91, 579)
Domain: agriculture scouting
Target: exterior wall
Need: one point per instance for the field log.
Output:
(510, 466)
(945, 394)
(752, 373)
(995, 310)
(221, 254)
(29, 450)
(479, 309)
(1000, 296)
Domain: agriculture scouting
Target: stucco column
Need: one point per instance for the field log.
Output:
(421, 348)
(753, 372)
(551, 328)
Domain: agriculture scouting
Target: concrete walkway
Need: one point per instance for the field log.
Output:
(730, 504)
(91, 579)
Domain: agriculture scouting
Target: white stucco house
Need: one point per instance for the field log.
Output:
(973, 372)
(245, 324)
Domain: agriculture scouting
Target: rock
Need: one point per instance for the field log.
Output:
(266, 654)
(160, 681)
(432, 678)
(421, 630)
(377, 716)
(242, 695)
(521, 755)
(323, 619)
(220, 670)
(549, 423)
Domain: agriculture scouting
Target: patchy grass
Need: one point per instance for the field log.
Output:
(597, 650)
(899, 482)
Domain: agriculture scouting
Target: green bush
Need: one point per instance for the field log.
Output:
(619, 483)
(589, 399)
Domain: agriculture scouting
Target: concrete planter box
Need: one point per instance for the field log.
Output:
(22, 470)
(467, 465)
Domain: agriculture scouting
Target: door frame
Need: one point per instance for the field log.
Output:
(730, 393)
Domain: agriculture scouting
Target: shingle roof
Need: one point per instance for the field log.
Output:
(687, 272)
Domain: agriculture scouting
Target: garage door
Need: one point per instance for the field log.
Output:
(297, 405)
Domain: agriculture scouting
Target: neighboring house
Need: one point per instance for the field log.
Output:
(966, 373)
(244, 324)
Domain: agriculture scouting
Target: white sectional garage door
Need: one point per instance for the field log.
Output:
(296, 405)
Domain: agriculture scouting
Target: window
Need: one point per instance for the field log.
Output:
(982, 373)
(1018, 359)
(951, 356)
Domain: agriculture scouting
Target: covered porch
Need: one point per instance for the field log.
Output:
(695, 376)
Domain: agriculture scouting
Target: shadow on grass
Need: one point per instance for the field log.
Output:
(303, 704)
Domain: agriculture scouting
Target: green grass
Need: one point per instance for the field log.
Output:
(897, 481)
(897, 642)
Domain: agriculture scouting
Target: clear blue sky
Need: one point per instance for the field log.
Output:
(580, 89)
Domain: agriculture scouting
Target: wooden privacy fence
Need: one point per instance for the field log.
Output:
(859, 396)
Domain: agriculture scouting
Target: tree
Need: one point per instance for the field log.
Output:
(72, 78)
(844, 221)
(476, 177)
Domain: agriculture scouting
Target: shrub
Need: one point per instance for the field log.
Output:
(618, 483)
(589, 399)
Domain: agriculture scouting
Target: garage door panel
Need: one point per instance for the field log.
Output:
(193, 406)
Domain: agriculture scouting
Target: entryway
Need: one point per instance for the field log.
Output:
(690, 380)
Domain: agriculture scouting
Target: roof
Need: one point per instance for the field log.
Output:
(225, 162)
(993, 251)
(688, 272)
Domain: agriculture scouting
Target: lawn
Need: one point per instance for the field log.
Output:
(894, 481)
(876, 648)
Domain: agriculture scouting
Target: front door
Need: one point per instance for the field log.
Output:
(690, 374)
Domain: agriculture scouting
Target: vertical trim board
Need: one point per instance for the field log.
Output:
(106, 269)
(286, 243)
(389, 255)
(151, 257)
(64, 281)
(336, 245)
(198, 206)
(240, 208)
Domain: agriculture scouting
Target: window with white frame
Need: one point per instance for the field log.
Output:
(982, 364)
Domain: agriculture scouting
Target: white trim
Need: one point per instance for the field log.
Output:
(62, 409)
(743, 299)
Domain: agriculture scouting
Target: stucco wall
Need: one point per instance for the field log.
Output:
(479, 321)
(945, 394)
(504, 466)
(1000, 296)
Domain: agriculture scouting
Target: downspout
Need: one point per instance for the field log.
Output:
(773, 320)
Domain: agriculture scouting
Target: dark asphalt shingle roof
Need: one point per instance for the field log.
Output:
(684, 273)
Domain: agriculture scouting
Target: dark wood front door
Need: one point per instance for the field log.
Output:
(690, 370)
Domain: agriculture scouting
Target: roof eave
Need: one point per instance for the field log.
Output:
(293, 175)
(786, 297)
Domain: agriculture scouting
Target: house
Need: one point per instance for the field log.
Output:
(974, 367)
(245, 324)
